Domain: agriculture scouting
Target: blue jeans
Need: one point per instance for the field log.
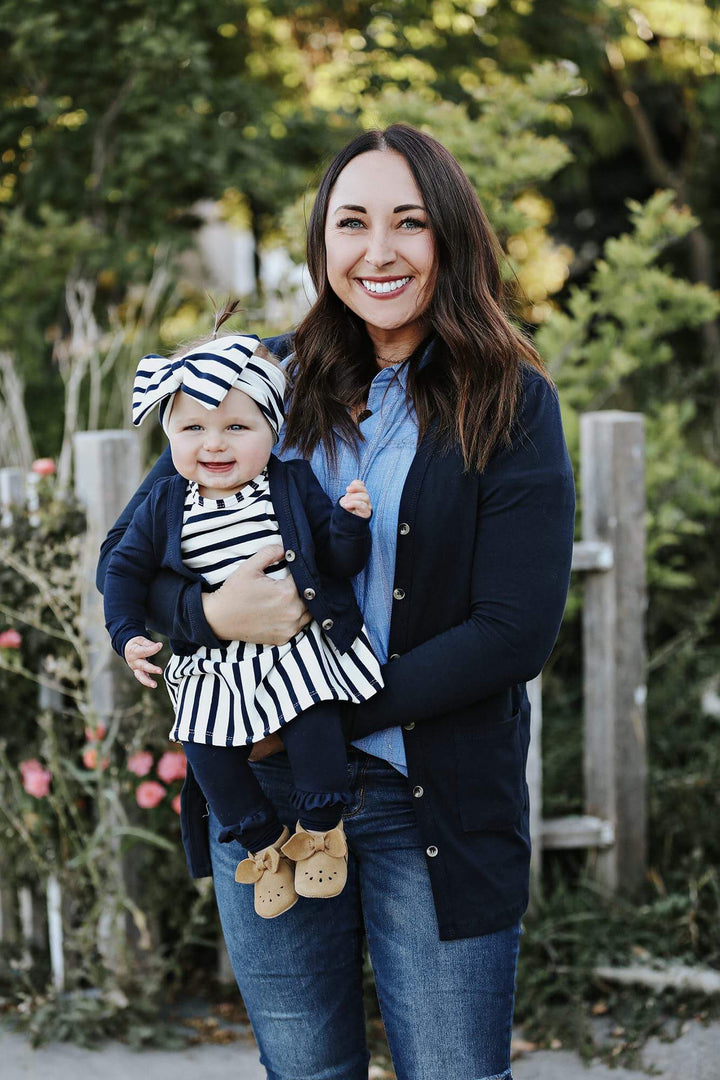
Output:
(447, 1005)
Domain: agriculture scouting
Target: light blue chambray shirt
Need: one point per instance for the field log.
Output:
(382, 462)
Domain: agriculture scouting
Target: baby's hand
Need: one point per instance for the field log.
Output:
(136, 650)
(357, 500)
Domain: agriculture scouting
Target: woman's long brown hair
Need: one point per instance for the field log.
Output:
(468, 394)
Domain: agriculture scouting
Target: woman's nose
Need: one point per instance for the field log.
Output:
(380, 250)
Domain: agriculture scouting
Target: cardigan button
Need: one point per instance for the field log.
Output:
(289, 556)
(394, 656)
(410, 726)
(431, 852)
(399, 594)
(404, 528)
(309, 594)
(327, 624)
(418, 792)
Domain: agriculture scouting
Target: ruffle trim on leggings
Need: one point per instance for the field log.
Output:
(257, 820)
(318, 800)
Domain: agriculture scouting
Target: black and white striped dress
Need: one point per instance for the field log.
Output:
(237, 695)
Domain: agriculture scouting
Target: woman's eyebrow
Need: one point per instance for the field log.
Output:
(362, 210)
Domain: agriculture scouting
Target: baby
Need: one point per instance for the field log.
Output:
(221, 406)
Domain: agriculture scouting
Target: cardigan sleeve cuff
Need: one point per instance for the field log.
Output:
(348, 523)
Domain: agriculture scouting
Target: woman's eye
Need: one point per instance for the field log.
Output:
(350, 223)
(410, 224)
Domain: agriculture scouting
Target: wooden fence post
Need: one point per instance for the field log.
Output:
(13, 492)
(107, 472)
(51, 700)
(615, 663)
(533, 775)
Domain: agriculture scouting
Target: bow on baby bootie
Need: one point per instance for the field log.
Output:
(272, 875)
(320, 861)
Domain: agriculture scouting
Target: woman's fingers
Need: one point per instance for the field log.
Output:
(250, 606)
(264, 558)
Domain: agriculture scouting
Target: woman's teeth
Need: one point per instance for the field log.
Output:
(384, 286)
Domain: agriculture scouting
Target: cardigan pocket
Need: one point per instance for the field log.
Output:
(490, 768)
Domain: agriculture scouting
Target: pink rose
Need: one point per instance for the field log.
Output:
(44, 466)
(172, 766)
(176, 804)
(140, 763)
(35, 778)
(31, 765)
(149, 794)
(95, 734)
(10, 639)
(90, 759)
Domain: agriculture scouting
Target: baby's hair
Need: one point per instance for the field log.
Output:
(229, 308)
(224, 313)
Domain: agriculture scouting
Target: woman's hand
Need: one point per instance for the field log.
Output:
(249, 606)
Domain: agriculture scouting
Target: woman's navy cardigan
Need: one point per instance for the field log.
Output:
(481, 579)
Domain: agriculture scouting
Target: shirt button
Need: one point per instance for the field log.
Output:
(399, 594)
(327, 624)
(418, 792)
(309, 594)
(431, 851)
(404, 528)
(289, 556)
(394, 656)
(410, 726)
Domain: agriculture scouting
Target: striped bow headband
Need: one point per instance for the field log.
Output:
(206, 373)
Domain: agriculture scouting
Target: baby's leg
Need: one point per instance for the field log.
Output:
(316, 750)
(234, 795)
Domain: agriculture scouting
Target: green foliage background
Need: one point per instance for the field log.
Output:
(590, 130)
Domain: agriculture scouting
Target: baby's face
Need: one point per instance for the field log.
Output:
(221, 449)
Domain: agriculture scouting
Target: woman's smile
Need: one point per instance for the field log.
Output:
(384, 288)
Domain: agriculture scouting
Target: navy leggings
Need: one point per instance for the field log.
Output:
(315, 747)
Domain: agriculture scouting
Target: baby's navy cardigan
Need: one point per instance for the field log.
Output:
(481, 578)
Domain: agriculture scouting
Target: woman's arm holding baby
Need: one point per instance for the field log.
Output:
(248, 606)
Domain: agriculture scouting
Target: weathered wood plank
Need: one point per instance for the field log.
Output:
(533, 776)
(13, 492)
(615, 764)
(577, 831)
(107, 472)
(675, 976)
(592, 555)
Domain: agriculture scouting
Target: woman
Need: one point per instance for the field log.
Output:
(407, 373)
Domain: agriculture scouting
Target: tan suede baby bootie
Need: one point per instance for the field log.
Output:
(321, 861)
(272, 875)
